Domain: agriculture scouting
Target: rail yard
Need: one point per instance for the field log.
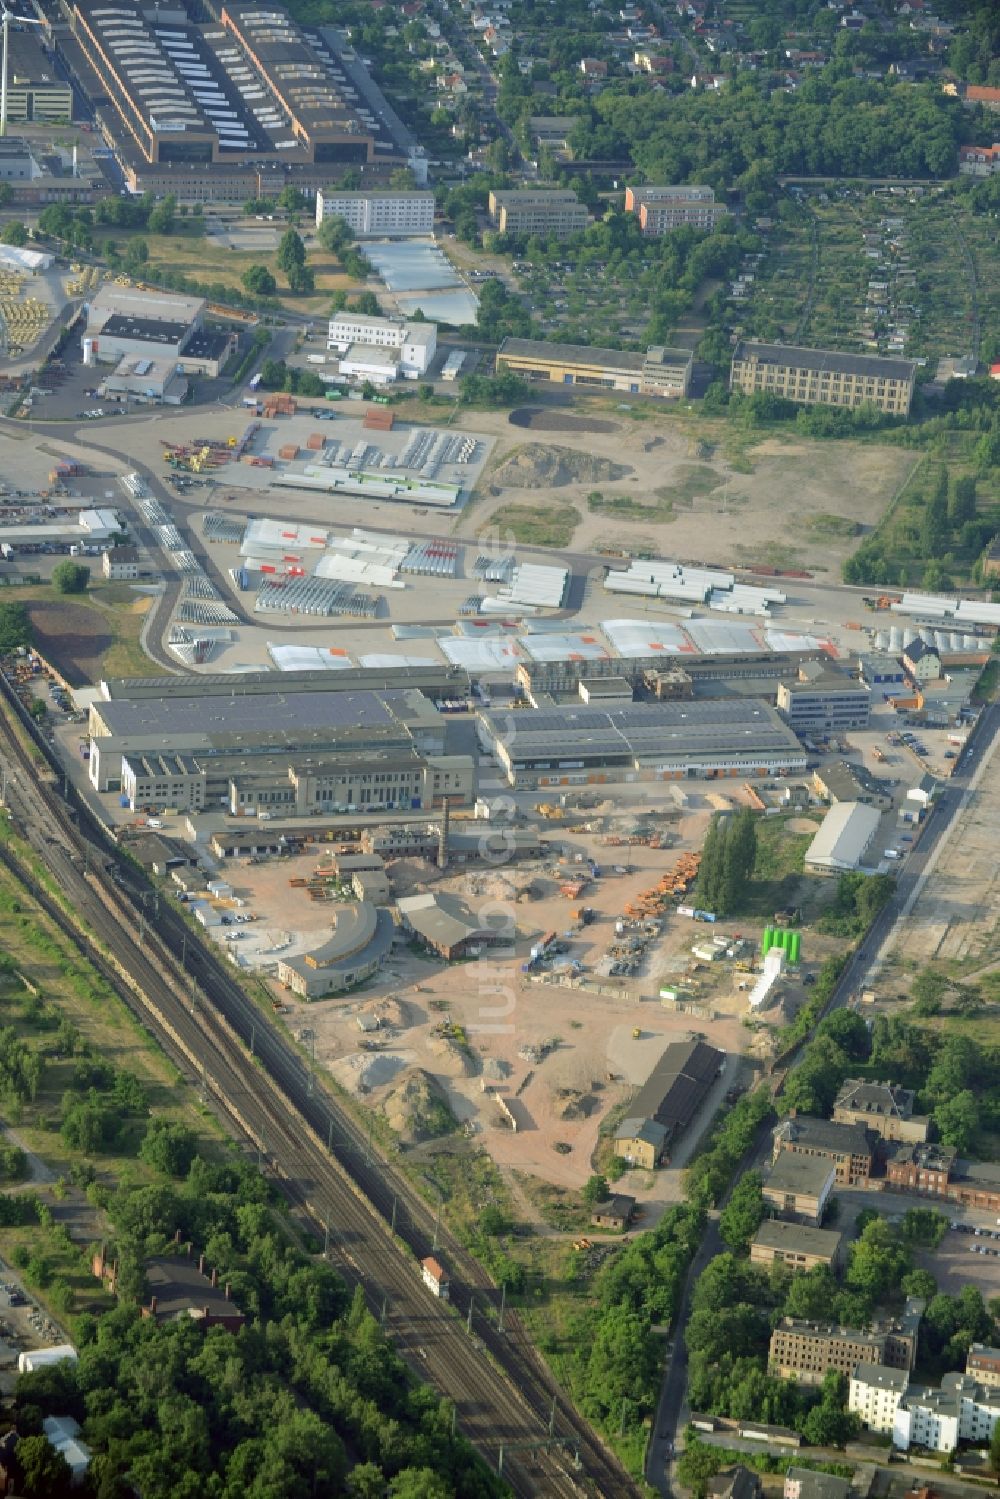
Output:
(376, 1225)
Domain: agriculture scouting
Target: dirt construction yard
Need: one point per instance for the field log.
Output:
(560, 1057)
(665, 486)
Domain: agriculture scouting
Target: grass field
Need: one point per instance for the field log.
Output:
(206, 260)
(536, 525)
(96, 631)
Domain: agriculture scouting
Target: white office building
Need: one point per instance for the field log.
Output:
(372, 215)
(875, 1393)
(404, 349)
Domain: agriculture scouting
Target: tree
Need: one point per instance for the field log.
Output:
(302, 279)
(962, 501)
(934, 528)
(420, 1483)
(70, 577)
(595, 1190)
(44, 1472)
(15, 627)
(292, 200)
(291, 251)
(259, 281)
(334, 235)
(168, 1147)
(161, 220)
(14, 234)
(957, 1120)
(878, 1262)
(742, 1215)
(136, 254)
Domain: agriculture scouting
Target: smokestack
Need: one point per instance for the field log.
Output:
(229, 1296)
(201, 1264)
(215, 1278)
(152, 1306)
(189, 1246)
(442, 859)
(177, 1236)
(206, 1312)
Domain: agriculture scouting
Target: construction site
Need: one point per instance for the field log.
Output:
(529, 1045)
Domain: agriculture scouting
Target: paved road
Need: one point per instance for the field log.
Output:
(672, 1413)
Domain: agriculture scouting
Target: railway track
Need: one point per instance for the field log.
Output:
(375, 1224)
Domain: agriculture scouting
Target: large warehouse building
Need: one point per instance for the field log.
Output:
(219, 102)
(658, 372)
(823, 377)
(280, 752)
(569, 746)
(124, 323)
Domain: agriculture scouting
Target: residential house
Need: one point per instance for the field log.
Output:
(807, 1351)
(803, 1483)
(983, 1364)
(735, 1483)
(962, 1410)
(979, 161)
(616, 1211)
(922, 661)
(120, 564)
(593, 67)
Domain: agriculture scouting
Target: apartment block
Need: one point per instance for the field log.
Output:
(874, 1394)
(846, 1147)
(884, 1108)
(386, 215)
(823, 377)
(807, 1351)
(661, 209)
(962, 1410)
(524, 212)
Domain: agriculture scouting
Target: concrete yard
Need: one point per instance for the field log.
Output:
(955, 917)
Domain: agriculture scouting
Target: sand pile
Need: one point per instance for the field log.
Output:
(544, 466)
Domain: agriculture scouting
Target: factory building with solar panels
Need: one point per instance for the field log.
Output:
(204, 110)
(576, 745)
(292, 753)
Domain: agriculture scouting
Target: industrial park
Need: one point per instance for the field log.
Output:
(499, 555)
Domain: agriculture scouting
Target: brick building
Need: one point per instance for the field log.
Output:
(846, 1146)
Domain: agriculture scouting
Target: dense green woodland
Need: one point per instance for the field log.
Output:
(310, 1398)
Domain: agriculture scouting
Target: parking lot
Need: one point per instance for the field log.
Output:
(967, 1255)
(23, 1325)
